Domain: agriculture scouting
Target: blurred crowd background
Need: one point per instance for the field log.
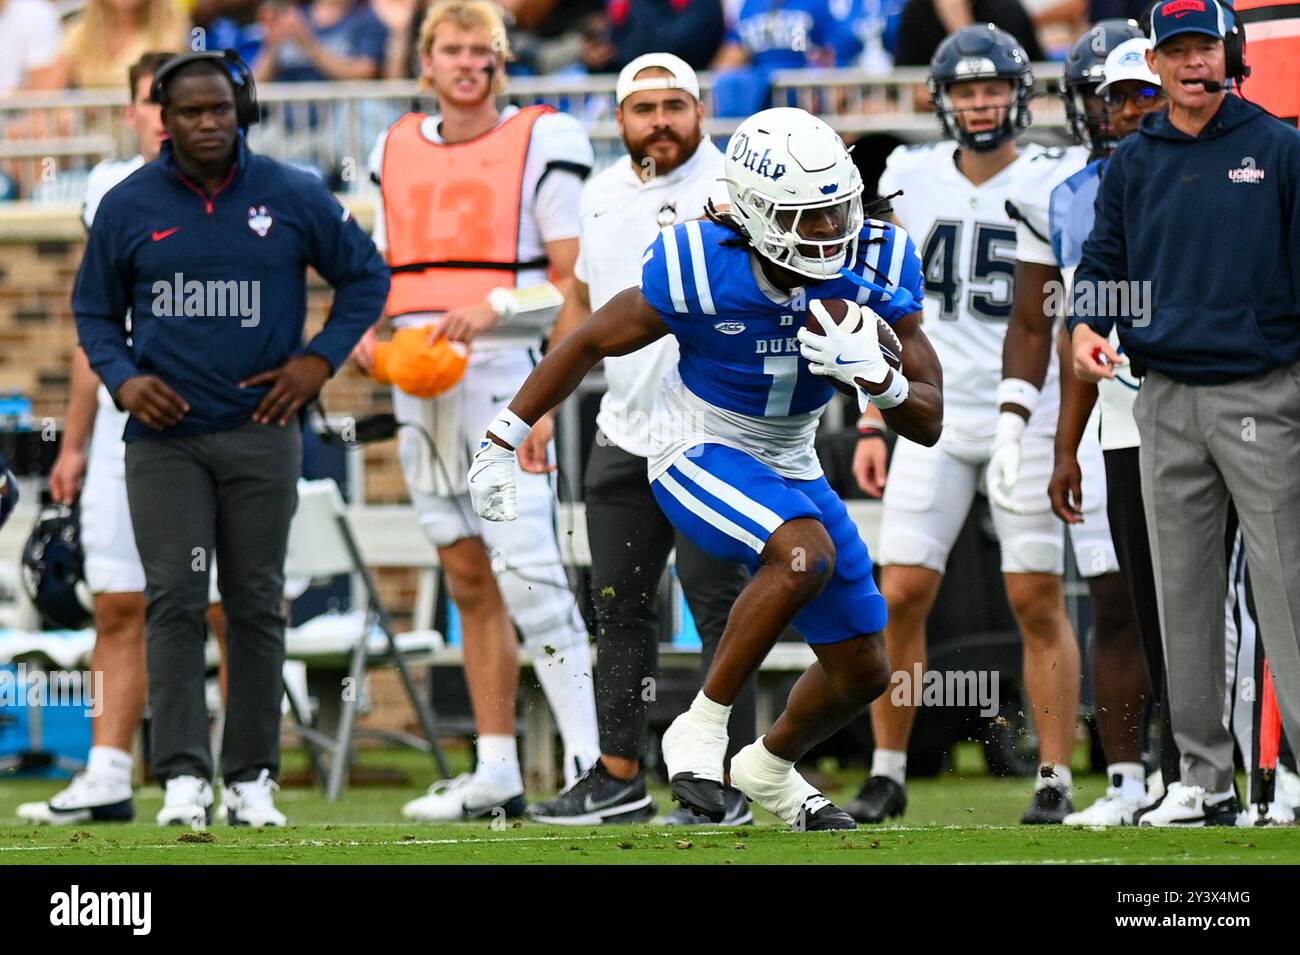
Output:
(78, 51)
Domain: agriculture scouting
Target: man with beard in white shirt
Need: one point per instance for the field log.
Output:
(671, 171)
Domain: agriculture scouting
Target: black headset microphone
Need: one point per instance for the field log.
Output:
(1212, 86)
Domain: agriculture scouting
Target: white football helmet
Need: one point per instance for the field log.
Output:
(795, 191)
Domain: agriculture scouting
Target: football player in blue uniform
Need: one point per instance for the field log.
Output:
(734, 466)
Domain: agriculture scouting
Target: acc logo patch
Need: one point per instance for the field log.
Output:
(260, 221)
(730, 328)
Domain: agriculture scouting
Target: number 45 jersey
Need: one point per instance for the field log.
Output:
(968, 250)
(740, 380)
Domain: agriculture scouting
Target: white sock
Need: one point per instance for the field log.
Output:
(1132, 779)
(565, 676)
(498, 762)
(110, 763)
(710, 714)
(891, 764)
(1060, 777)
(778, 788)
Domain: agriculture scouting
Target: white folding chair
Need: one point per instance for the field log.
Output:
(321, 545)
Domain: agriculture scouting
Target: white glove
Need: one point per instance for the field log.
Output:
(841, 354)
(1004, 466)
(492, 482)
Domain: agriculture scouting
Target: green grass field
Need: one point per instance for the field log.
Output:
(962, 817)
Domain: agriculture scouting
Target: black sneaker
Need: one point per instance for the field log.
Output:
(738, 813)
(1048, 806)
(819, 814)
(595, 798)
(880, 798)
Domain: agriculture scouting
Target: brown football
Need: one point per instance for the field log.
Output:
(890, 346)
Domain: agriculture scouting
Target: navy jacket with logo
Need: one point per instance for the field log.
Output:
(217, 287)
(1213, 223)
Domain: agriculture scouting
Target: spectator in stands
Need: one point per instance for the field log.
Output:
(770, 35)
(400, 17)
(332, 40)
(29, 45)
(875, 26)
(690, 28)
(926, 22)
(109, 35)
(1099, 10)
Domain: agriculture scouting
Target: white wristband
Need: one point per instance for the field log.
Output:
(894, 395)
(510, 428)
(1017, 391)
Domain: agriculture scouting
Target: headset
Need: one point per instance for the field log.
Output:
(1234, 47)
(247, 112)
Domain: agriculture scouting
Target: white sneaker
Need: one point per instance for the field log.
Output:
(468, 796)
(251, 803)
(86, 799)
(1190, 806)
(783, 799)
(1112, 809)
(187, 801)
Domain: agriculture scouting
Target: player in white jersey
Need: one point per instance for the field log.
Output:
(954, 198)
(477, 205)
(114, 574)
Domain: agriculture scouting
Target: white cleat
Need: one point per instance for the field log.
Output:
(466, 797)
(252, 803)
(187, 801)
(86, 799)
(1190, 806)
(1112, 809)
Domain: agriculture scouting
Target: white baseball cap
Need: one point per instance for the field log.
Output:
(1128, 61)
(681, 76)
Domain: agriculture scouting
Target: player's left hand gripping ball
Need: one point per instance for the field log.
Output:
(492, 482)
(846, 350)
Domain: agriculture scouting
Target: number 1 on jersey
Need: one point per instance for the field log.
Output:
(784, 371)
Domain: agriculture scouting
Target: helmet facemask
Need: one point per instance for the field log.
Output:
(1015, 118)
(815, 240)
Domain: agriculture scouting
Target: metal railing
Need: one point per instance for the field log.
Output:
(49, 141)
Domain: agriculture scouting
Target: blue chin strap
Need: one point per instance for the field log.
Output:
(900, 297)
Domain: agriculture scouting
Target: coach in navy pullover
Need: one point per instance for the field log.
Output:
(1198, 228)
(159, 242)
(207, 248)
(1213, 223)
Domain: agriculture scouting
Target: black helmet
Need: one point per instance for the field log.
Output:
(1084, 70)
(979, 52)
(53, 571)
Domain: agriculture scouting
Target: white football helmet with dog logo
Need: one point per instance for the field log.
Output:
(795, 190)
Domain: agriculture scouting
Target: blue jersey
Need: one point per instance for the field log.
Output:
(739, 358)
(738, 346)
(778, 34)
(1071, 213)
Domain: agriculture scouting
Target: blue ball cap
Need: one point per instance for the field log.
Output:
(1172, 17)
